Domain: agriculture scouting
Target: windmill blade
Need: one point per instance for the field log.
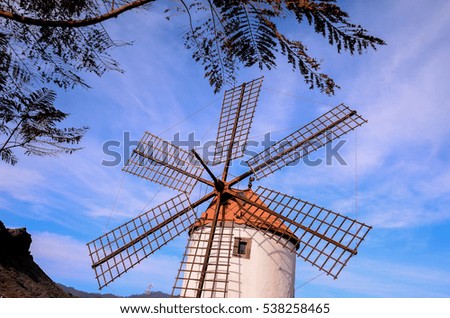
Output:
(115, 252)
(204, 270)
(159, 161)
(331, 125)
(321, 237)
(236, 118)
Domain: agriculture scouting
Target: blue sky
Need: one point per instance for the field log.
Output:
(397, 176)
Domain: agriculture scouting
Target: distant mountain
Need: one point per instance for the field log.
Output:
(81, 294)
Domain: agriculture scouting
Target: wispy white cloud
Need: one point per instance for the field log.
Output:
(66, 260)
(438, 184)
(17, 182)
(377, 278)
(400, 205)
(159, 270)
(62, 257)
(405, 99)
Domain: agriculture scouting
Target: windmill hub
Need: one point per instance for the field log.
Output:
(220, 186)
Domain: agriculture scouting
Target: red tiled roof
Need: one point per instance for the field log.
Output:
(239, 212)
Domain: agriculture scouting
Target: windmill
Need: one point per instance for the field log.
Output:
(246, 242)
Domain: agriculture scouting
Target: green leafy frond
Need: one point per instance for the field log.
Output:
(48, 9)
(207, 40)
(8, 156)
(244, 32)
(41, 100)
(31, 123)
(223, 35)
(329, 20)
(249, 37)
(297, 56)
(56, 54)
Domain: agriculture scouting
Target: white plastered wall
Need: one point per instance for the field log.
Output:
(269, 272)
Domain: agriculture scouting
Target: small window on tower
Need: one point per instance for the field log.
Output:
(242, 247)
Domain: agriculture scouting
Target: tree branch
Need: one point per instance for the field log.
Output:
(216, 39)
(73, 23)
(4, 147)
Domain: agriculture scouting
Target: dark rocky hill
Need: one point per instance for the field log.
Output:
(20, 276)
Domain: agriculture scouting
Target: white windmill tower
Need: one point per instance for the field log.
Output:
(245, 242)
(243, 262)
